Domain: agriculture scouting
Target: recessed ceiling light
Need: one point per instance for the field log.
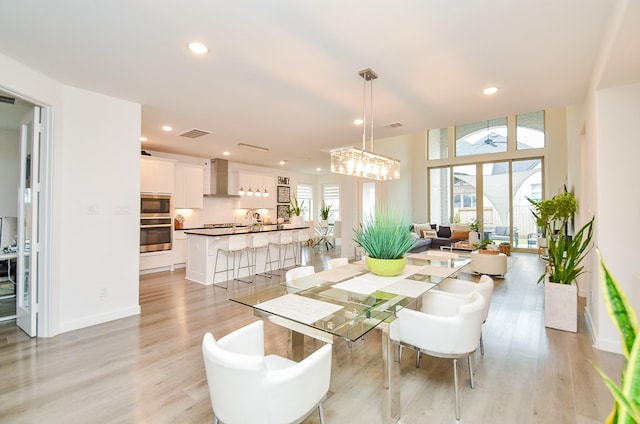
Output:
(226, 153)
(167, 128)
(198, 48)
(358, 121)
(490, 90)
(144, 138)
(282, 162)
(318, 169)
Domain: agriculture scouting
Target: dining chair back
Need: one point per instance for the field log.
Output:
(246, 386)
(336, 262)
(299, 272)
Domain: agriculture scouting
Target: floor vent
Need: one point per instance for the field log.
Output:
(394, 125)
(194, 133)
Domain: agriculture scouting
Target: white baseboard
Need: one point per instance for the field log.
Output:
(99, 319)
(600, 343)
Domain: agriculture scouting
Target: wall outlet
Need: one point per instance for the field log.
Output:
(102, 292)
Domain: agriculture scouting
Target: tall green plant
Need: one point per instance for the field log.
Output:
(384, 234)
(566, 255)
(324, 211)
(627, 396)
(295, 208)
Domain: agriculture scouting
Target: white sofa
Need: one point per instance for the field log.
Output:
(488, 264)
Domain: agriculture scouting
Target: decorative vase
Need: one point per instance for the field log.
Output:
(560, 305)
(474, 237)
(386, 267)
(296, 220)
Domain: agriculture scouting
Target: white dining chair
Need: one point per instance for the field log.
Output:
(447, 326)
(484, 286)
(299, 272)
(246, 386)
(337, 262)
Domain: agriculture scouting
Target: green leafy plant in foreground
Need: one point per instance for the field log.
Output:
(627, 398)
(384, 235)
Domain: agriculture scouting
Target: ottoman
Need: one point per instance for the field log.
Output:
(488, 264)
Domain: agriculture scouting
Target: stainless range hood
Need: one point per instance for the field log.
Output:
(219, 179)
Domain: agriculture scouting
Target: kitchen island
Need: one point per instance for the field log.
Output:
(203, 244)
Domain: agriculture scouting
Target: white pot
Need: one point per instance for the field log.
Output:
(560, 305)
(474, 237)
(296, 220)
(324, 223)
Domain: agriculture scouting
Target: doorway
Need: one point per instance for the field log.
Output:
(24, 186)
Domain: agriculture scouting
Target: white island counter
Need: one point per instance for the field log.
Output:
(202, 246)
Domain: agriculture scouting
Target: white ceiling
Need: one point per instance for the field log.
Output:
(283, 74)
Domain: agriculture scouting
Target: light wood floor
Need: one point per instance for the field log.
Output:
(149, 369)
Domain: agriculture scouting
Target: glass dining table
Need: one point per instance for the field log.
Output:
(348, 302)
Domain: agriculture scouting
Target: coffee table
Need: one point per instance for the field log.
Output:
(459, 245)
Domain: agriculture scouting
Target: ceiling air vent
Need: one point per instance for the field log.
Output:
(393, 125)
(194, 133)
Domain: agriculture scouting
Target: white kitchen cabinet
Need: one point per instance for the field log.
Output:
(189, 186)
(258, 182)
(156, 261)
(179, 249)
(157, 175)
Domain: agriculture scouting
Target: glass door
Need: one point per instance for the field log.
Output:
(28, 223)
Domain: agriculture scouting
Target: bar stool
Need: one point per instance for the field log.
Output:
(282, 240)
(235, 245)
(260, 241)
(300, 238)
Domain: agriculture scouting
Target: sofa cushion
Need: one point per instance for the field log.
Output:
(429, 234)
(417, 228)
(459, 235)
(444, 231)
(501, 231)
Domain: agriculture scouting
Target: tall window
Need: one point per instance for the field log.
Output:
(304, 193)
(331, 197)
(481, 138)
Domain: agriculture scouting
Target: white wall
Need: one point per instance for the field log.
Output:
(100, 172)
(9, 172)
(618, 202)
(95, 161)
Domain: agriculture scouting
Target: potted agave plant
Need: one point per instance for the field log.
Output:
(324, 214)
(295, 210)
(566, 255)
(385, 238)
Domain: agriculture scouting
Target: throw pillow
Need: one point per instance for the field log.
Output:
(417, 228)
(459, 235)
(429, 234)
(444, 231)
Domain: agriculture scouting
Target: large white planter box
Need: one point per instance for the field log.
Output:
(560, 305)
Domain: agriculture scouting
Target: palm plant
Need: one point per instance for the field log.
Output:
(627, 399)
(384, 234)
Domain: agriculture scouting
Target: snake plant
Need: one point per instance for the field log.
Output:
(627, 396)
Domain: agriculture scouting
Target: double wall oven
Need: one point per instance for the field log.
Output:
(156, 222)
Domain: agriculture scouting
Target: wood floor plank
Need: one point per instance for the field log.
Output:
(149, 369)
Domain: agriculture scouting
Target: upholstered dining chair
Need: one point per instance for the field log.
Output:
(336, 262)
(246, 386)
(484, 286)
(448, 326)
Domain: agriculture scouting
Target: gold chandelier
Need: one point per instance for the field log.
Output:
(360, 162)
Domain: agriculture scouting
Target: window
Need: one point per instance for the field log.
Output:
(530, 130)
(438, 144)
(481, 138)
(331, 197)
(304, 193)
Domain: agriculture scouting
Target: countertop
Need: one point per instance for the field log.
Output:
(243, 230)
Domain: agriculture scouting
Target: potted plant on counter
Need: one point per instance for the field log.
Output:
(295, 210)
(474, 232)
(324, 214)
(385, 238)
(566, 255)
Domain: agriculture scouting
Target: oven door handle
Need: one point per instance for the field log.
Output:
(156, 226)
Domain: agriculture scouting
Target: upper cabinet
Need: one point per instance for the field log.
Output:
(157, 175)
(189, 187)
(255, 182)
